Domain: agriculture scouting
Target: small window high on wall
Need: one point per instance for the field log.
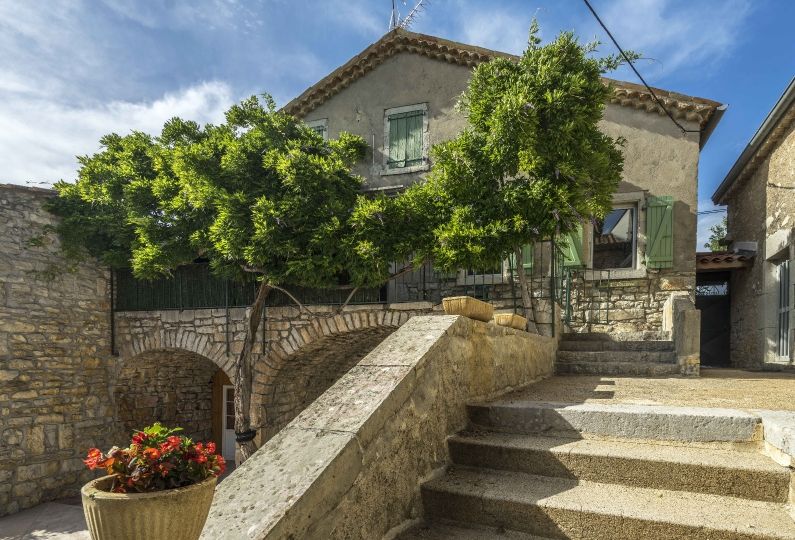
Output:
(615, 239)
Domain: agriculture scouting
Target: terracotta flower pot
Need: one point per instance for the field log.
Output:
(511, 320)
(468, 307)
(176, 514)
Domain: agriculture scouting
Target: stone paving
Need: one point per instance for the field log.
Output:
(717, 388)
(59, 520)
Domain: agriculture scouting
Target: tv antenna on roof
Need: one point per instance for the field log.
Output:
(395, 21)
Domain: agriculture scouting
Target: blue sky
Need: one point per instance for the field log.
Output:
(73, 70)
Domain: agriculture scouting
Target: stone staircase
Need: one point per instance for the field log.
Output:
(527, 470)
(632, 353)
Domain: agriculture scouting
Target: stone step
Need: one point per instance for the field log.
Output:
(564, 508)
(645, 422)
(436, 530)
(661, 357)
(638, 369)
(617, 336)
(719, 471)
(603, 345)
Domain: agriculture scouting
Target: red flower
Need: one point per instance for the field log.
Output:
(93, 459)
(139, 437)
(211, 447)
(152, 453)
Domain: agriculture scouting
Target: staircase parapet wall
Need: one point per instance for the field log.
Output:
(351, 464)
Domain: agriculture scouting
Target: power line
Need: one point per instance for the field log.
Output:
(713, 211)
(631, 65)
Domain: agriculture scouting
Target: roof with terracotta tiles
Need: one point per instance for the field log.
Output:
(626, 94)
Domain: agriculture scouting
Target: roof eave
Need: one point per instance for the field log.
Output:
(771, 121)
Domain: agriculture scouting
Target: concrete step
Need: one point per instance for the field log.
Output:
(603, 345)
(719, 471)
(644, 422)
(617, 336)
(565, 508)
(436, 530)
(660, 357)
(637, 369)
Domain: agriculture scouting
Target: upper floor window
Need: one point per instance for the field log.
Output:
(320, 127)
(406, 139)
(615, 239)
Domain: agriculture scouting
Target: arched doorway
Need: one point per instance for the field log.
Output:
(176, 388)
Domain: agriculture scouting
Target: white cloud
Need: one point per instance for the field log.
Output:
(677, 33)
(41, 138)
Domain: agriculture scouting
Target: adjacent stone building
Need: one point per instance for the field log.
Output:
(760, 193)
(400, 94)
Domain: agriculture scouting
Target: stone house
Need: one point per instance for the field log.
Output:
(400, 94)
(86, 356)
(758, 191)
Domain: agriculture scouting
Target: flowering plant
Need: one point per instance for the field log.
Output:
(157, 459)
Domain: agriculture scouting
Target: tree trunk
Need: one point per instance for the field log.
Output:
(244, 379)
(527, 301)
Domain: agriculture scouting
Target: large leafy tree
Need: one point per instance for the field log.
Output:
(261, 196)
(532, 162)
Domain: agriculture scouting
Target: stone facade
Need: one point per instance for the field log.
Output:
(173, 387)
(306, 352)
(659, 159)
(55, 359)
(761, 220)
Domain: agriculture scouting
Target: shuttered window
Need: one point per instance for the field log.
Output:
(660, 232)
(405, 139)
(527, 258)
(571, 244)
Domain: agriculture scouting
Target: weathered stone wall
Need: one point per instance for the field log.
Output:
(746, 215)
(759, 208)
(350, 465)
(55, 357)
(173, 387)
(305, 351)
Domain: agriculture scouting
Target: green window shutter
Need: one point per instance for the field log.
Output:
(571, 244)
(660, 232)
(405, 139)
(527, 258)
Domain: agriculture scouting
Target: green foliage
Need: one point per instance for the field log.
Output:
(531, 163)
(260, 192)
(716, 235)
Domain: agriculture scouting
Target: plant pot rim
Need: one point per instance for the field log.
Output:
(92, 491)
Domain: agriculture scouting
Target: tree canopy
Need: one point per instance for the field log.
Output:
(531, 163)
(260, 193)
(717, 234)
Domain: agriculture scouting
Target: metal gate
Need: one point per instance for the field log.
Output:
(712, 298)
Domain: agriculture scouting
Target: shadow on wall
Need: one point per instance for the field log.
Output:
(171, 386)
(312, 370)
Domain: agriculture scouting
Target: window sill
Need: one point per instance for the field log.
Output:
(406, 170)
(619, 273)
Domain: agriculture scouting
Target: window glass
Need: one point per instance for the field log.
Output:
(614, 240)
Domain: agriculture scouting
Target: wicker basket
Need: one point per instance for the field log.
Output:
(511, 320)
(468, 307)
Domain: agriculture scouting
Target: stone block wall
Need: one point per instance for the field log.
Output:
(55, 357)
(171, 386)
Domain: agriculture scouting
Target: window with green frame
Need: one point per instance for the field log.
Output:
(406, 139)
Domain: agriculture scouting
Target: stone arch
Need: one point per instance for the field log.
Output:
(183, 339)
(177, 387)
(308, 359)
